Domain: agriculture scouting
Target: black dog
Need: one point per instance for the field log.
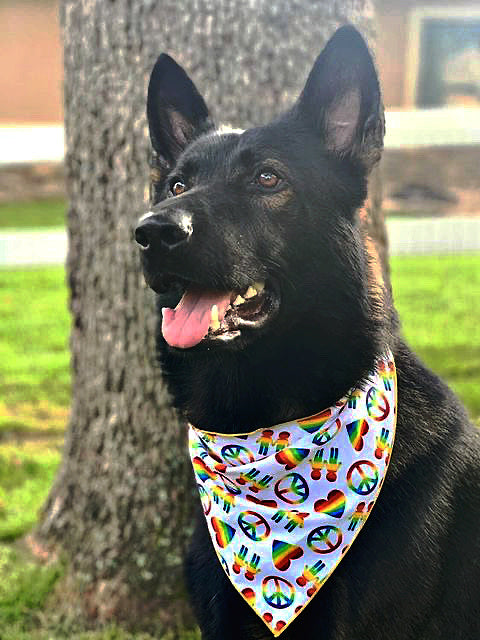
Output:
(264, 226)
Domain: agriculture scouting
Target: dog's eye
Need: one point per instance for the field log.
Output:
(268, 179)
(177, 188)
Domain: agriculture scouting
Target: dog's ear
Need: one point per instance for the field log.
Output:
(342, 99)
(176, 112)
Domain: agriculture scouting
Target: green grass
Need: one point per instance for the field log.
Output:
(24, 588)
(27, 470)
(33, 215)
(438, 299)
(34, 358)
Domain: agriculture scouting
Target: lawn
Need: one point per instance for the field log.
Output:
(48, 213)
(438, 299)
(34, 359)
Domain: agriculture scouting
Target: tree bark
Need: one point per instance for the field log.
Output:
(122, 502)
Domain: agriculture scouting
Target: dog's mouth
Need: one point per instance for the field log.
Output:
(205, 315)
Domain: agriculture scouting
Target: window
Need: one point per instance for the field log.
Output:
(443, 67)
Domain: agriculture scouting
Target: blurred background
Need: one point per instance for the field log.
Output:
(428, 55)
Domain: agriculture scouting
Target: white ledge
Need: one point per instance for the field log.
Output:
(32, 144)
(405, 129)
(432, 128)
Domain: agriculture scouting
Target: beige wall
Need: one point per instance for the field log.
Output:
(30, 62)
(392, 43)
(391, 50)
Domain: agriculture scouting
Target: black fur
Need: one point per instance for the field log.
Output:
(413, 573)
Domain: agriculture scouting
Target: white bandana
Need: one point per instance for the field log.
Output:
(283, 504)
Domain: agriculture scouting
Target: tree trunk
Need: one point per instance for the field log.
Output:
(122, 502)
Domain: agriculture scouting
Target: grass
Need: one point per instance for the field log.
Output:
(24, 588)
(34, 359)
(27, 470)
(33, 215)
(438, 300)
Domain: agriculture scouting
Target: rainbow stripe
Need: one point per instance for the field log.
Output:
(291, 457)
(355, 431)
(202, 470)
(314, 423)
(283, 553)
(310, 573)
(382, 443)
(333, 506)
(224, 532)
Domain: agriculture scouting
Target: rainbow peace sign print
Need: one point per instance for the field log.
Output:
(284, 503)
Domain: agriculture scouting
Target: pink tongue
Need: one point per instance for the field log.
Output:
(187, 324)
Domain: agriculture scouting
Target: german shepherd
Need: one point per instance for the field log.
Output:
(273, 308)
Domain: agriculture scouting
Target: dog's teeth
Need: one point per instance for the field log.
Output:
(238, 301)
(214, 321)
(250, 293)
(259, 286)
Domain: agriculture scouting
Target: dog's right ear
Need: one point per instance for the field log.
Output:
(176, 112)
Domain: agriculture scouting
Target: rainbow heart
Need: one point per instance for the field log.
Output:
(313, 423)
(333, 505)
(224, 532)
(283, 553)
(356, 430)
(291, 457)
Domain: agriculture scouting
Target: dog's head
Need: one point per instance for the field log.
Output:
(253, 232)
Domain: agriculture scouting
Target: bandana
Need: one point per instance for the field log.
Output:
(283, 504)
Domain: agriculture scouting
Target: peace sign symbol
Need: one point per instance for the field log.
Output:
(230, 486)
(278, 592)
(362, 477)
(237, 455)
(253, 525)
(324, 539)
(292, 488)
(204, 499)
(377, 404)
(327, 433)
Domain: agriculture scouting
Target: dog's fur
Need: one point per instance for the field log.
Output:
(413, 573)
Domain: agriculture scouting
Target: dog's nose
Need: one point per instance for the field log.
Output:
(157, 233)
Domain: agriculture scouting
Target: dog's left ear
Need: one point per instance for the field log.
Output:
(342, 100)
(176, 111)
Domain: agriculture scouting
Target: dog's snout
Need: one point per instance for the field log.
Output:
(159, 233)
